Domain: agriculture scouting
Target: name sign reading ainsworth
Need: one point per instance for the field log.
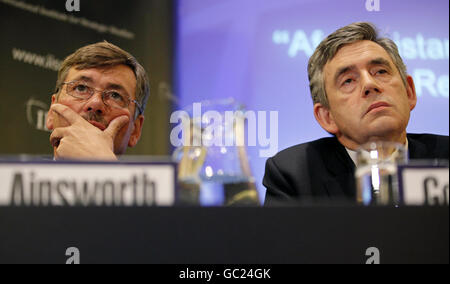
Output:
(87, 184)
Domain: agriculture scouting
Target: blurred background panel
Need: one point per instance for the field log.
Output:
(36, 36)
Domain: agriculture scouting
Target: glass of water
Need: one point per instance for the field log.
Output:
(213, 166)
(376, 172)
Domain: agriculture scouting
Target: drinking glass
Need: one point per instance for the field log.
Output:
(213, 163)
(376, 172)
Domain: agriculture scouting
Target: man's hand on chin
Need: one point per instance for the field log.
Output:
(81, 140)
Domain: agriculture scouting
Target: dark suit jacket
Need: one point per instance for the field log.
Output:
(322, 170)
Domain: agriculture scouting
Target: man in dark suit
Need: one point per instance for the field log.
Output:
(361, 92)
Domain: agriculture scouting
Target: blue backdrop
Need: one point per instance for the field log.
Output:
(256, 51)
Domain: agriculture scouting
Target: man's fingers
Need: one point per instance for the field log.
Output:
(56, 136)
(66, 112)
(116, 124)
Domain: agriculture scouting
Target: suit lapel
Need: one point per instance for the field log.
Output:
(416, 149)
(341, 168)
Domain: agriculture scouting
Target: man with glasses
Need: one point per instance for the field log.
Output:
(97, 110)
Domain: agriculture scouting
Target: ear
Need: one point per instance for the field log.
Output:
(137, 129)
(411, 92)
(325, 118)
(49, 122)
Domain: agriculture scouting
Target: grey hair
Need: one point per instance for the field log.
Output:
(105, 54)
(328, 48)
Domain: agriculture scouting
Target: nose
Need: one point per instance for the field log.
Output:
(370, 85)
(95, 104)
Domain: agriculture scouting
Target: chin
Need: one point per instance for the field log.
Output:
(384, 132)
(386, 124)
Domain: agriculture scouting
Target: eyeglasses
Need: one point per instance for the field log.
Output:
(112, 98)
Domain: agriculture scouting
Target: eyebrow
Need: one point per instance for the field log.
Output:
(115, 87)
(83, 78)
(380, 61)
(376, 61)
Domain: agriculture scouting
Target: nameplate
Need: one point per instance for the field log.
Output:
(424, 185)
(87, 184)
